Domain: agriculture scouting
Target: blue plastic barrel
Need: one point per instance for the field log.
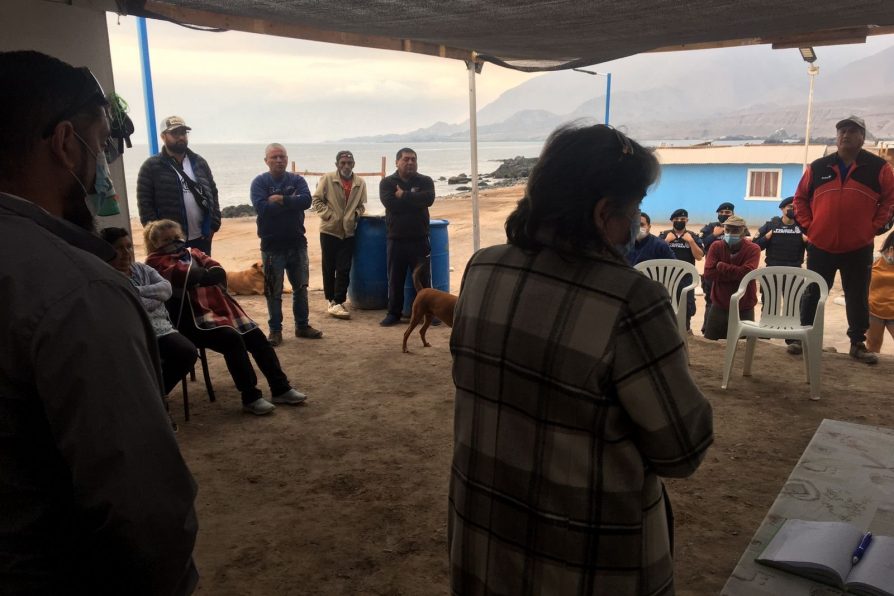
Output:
(369, 270)
(440, 263)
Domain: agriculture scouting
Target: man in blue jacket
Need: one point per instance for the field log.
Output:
(406, 195)
(177, 184)
(648, 247)
(281, 198)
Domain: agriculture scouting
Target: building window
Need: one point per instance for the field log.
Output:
(764, 185)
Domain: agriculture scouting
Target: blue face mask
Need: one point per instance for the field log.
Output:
(626, 248)
(103, 200)
(731, 239)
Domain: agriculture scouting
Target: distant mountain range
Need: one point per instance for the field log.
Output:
(667, 97)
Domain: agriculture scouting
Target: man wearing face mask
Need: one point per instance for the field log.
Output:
(647, 247)
(177, 184)
(729, 260)
(844, 200)
(782, 238)
(708, 235)
(340, 199)
(95, 495)
(687, 246)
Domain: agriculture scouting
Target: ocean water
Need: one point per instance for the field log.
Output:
(235, 165)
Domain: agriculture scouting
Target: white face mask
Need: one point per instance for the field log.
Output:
(642, 233)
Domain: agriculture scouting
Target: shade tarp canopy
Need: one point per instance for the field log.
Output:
(538, 35)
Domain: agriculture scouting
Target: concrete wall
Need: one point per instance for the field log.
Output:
(75, 34)
(700, 188)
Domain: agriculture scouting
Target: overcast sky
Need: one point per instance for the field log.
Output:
(242, 87)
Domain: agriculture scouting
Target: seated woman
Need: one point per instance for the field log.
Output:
(205, 313)
(177, 354)
(881, 297)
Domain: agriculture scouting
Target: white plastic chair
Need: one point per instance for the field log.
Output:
(670, 274)
(780, 317)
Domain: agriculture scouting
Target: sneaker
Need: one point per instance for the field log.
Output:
(258, 407)
(290, 397)
(794, 348)
(275, 338)
(860, 353)
(339, 311)
(390, 320)
(308, 332)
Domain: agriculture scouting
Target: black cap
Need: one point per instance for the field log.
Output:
(679, 213)
(786, 201)
(723, 206)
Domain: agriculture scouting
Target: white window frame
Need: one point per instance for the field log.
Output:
(750, 197)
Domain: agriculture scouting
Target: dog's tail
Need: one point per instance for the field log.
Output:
(417, 276)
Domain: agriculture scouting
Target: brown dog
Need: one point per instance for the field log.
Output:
(249, 282)
(429, 303)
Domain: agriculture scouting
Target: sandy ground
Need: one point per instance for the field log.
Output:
(348, 494)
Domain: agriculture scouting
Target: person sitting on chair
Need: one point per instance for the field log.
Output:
(207, 315)
(727, 263)
(177, 354)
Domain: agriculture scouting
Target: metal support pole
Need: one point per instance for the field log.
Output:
(148, 95)
(608, 95)
(474, 67)
(812, 71)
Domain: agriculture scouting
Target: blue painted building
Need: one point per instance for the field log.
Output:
(752, 177)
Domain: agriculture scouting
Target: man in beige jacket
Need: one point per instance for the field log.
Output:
(340, 199)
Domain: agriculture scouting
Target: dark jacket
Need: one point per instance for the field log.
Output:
(649, 248)
(95, 497)
(280, 225)
(407, 218)
(160, 194)
(845, 215)
(785, 247)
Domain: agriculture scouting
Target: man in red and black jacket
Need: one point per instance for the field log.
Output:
(843, 201)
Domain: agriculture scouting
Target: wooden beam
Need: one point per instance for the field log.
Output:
(265, 27)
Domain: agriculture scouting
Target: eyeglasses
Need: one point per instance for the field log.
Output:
(90, 91)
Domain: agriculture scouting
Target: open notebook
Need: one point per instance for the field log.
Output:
(823, 551)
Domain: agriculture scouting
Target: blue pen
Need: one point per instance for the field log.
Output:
(861, 549)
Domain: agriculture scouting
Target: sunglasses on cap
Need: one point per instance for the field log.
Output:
(90, 92)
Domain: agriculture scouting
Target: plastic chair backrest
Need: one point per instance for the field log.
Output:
(669, 273)
(782, 289)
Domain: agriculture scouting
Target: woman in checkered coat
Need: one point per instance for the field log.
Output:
(573, 393)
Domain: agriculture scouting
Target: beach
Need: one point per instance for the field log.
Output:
(348, 494)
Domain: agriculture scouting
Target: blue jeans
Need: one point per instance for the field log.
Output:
(292, 262)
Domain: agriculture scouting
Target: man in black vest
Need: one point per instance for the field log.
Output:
(782, 238)
(687, 246)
